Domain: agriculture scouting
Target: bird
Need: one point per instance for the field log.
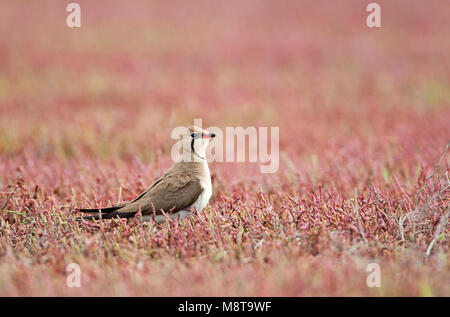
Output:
(184, 188)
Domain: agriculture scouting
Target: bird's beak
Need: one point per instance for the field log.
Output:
(208, 136)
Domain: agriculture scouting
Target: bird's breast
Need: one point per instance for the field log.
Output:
(205, 195)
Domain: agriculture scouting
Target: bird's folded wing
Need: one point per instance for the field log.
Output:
(172, 193)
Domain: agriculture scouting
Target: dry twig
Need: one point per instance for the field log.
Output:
(439, 229)
(412, 215)
(358, 218)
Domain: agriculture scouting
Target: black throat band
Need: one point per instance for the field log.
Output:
(193, 150)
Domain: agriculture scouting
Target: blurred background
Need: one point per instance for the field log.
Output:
(342, 93)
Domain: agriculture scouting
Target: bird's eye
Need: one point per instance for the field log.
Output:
(193, 135)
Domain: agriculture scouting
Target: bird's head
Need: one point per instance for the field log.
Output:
(195, 140)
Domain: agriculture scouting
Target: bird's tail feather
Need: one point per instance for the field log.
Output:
(106, 213)
(106, 210)
(109, 216)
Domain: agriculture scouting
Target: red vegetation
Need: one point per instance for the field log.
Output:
(85, 117)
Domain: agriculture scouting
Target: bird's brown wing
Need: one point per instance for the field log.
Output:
(171, 193)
